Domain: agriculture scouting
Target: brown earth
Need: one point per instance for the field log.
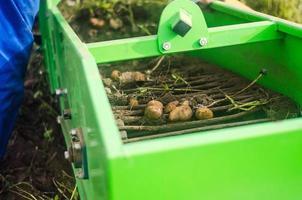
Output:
(34, 167)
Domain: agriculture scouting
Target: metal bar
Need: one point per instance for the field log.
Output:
(186, 125)
(143, 47)
(199, 129)
(124, 49)
(242, 34)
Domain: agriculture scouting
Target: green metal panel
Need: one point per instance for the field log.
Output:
(46, 28)
(77, 71)
(143, 47)
(280, 58)
(256, 162)
(260, 161)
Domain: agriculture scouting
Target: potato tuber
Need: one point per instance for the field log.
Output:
(181, 113)
(155, 103)
(154, 110)
(128, 77)
(116, 23)
(204, 113)
(185, 103)
(115, 75)
(171, 106)
(138, 76)
(96, 22)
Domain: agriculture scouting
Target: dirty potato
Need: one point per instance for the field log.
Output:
(155, 103)
(139, 77)
(204, 113)
(115, 75)
(181, 113)
(185, 103)
(128, 77)
(171, 106)
(154, 110)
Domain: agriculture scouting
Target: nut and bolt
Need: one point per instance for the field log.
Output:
(59, 119)
(167, 46)
(67, 114)
(73, 132)
(61, 91)
(67, 155)
(77, 146)
(79, 174)
(203, 42)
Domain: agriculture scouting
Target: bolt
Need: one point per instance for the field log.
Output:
(41, 72)
(67, 114)
(79, 174)
(59, 119)
(73, 132)
(77, 146)
(203, 42)
(67, 155)
(167, 46)
(61, 91)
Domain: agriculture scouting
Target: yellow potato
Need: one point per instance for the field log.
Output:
(155, 103)
(153, 112)
(128, 77)
(181, 113)
(204, 113)
(185, 103)
(171, 106)
(115, 75)
(138, 76)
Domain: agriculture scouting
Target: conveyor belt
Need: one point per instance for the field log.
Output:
(234, 101)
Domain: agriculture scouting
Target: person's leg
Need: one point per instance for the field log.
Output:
(16, 21)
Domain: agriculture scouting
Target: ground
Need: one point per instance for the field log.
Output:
(34, 167)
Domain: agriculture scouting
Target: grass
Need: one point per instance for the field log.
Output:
(287, 9)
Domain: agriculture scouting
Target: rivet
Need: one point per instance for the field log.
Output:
(67, 155)
(61, 91)
(167, 46)
(59, 119)
(73, 132)
(67, 114)
(77, 146)
(79, 174)
(203, 42)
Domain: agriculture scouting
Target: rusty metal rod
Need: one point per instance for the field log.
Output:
(187, 125)
(199, 129)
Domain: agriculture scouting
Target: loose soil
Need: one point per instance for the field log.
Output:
(34, 167)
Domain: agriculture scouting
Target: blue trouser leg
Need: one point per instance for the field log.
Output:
(16, 21)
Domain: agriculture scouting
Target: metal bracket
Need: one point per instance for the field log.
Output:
(76, 153)
(62, 97)
(182, 27)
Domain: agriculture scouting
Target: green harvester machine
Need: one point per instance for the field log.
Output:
(261, 161)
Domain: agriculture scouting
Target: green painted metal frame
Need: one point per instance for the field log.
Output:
(261, 161)
(142, 47)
